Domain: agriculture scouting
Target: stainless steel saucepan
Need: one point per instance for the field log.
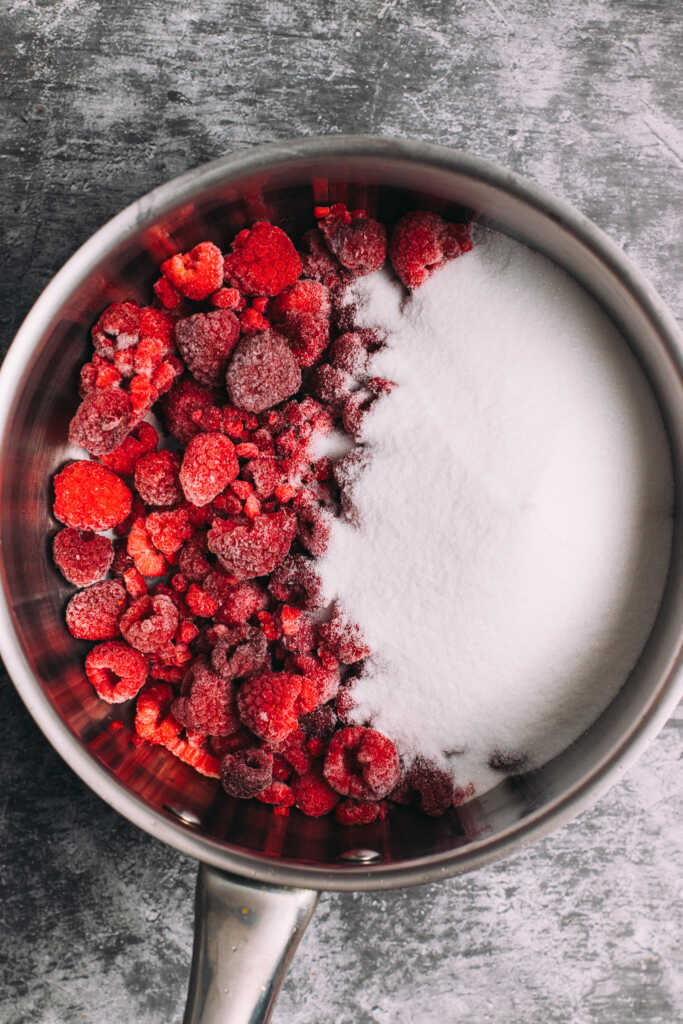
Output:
(259, 873)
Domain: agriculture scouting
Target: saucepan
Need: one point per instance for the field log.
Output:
(259, 873)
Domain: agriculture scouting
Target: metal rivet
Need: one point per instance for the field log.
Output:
(187, 817)
(360, 856)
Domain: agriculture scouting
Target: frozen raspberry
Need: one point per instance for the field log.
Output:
(102, 421)
(147, 560)
(197, 273)
(247, 551)
(348, 472)
(82, 558)
(293, 749)
(184, 401)
(301, 297)
(234, 661)
(150, 623)
(319, 263)
(308, 336)
(359, 243)
(313, 796)
(199, 759)
(226, 298)
(238, 740)
(167, 294)
(209, 464)
(242, 601)
(169, 530)
(200, 603)
(208, 702)
(277, 793)
(345, 703)
(205, 342)
(331, 385)
(314, 523)
(423, 241)
(319, 723)
(322, 672)
(90, 497)
(265, 474)
(361, 763)
(123, 459)
(94, 614)
(153, 704)
(156, 478)
(426, 784)
(270, 704)
(263, 372)
(349, 353)
(246, 772)
(359, 812)
(157, 325)
(117, 329)
(343, 639)
(192, 561)
(263, 261)
(116, 671)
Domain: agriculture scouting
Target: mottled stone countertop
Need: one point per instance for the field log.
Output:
(103, 99)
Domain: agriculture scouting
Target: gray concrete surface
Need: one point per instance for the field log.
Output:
(103, 99)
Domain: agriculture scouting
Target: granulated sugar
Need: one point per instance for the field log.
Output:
(515, 513)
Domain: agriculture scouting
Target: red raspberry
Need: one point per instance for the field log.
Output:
(349, 353)
(293, 749)
(201, 760)
(124, 459)
(152, 705)
(242, 601)
(235, 661)
(245, 773)
(209, 464)
(331, 385)
(185, 400)
(363, 812)
(423, 241)
(117, 329)
(166, 294)
(205, 342)
(265, 473)
(197, 273)
(191, 558)
(345, 703)
(320, 723)
(94, 614)
(169, 530)
(148, 561)
(90, 497)
(150, 623)
(343, 639)
(313, 796)
(102, 421)
(361, 763)
(208, 702)
(263, 372)
(277, 793)
(200, 603)
(82, 558)
(270, 704)
(226, 298)
(302, 297)
(426, 784)
(254, 550)
(308, 336)
(263, 261)
(239, 740)
(360, 243)
(319, 263)
(322, 672)
(156, 478)
(314, 523)
(116, 671)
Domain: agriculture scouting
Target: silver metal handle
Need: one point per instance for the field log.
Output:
(244, 940)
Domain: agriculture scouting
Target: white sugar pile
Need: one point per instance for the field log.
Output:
(515, 513)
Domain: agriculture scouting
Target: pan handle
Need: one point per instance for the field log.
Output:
(245, 935)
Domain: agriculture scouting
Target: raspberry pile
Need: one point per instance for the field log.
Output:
(204, 605)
